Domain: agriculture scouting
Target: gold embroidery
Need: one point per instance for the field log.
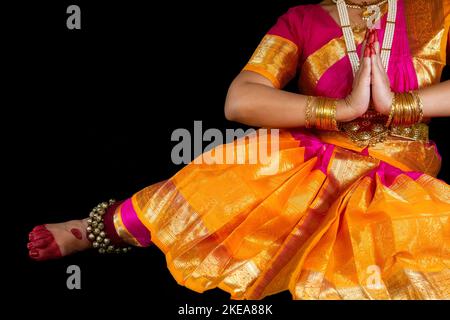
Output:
(276, 58)
(370, 129)
(408, 155)
(122, 230)
(427, 34)
(366, 130)
(417, 132)
(320, 61)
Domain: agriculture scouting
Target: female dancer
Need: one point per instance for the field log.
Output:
(354, 211)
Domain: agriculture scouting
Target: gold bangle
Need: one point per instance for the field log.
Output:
(326, 114)
(415, 108)
(406, 109)
(401, 111)
(318, 113)
(308, 111)
(314, 102)
(333, 122)
(321, 114)
(400, 114)
(419, 103)
(392, 111)
(412, 109)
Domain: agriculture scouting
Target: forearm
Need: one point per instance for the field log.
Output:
(258, 104)
(436, 100)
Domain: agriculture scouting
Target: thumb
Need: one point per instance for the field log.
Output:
(377, 72)
(366, 69)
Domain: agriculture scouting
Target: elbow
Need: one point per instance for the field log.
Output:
(235, 105)
(235, 110)
(243, 102)
(231, 111)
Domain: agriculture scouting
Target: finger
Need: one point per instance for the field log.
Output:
(356, 77)
(378, 56)
(364, 44)
(375, 55)
(380, 67)
(379, 62)
(366, 65)
(377, 49)
(363, 49)
(376, 43)
(371, 38)
(362, 55)
(377, 72)
(371, 42)
(374, 51)
(362, 65)
(357, 73)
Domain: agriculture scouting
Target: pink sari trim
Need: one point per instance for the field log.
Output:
(388, 173)
(315, 148)
(133, 224)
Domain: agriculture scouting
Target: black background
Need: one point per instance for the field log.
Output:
(91, 117)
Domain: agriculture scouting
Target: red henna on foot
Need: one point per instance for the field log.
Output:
(43, 245)
(34, 253)
(77, 233)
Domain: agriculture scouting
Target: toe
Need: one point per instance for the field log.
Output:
(36, 235)
(42, 243)
(50, 252)
(34, 253)
(39, 228)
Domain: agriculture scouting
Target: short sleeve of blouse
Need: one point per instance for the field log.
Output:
(447, 27)
(277, 55)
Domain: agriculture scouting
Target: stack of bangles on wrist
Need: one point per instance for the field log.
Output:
(321, 113)
(406, 110)
(96, 230)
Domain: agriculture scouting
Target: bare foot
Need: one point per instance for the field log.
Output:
(53, 241)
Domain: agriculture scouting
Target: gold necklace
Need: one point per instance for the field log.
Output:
(364, 5)
(367, 13)
(368, 129)
(349, 37)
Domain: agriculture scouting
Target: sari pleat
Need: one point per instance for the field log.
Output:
(331, 223)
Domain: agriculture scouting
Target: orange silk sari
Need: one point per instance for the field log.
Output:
(336, 220)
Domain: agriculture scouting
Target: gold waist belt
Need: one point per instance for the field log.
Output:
(370, 129)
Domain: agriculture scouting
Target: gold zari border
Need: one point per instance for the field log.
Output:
(276, 58)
